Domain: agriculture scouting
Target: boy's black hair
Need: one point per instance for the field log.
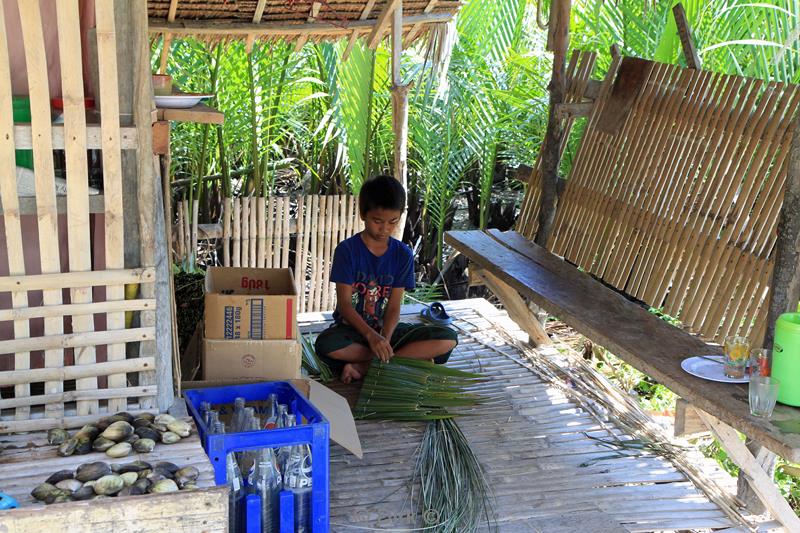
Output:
(382, 192)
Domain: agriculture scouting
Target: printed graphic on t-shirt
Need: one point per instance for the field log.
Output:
(370, 297)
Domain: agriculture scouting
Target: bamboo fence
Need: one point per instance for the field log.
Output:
(679, 207)
(66, 358)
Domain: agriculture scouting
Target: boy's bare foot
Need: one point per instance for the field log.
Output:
(353, 372)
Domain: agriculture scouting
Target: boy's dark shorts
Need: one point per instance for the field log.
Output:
(339, 336)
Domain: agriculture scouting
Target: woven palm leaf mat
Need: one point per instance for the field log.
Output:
(547, 472)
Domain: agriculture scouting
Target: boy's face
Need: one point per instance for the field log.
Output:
(380, 223)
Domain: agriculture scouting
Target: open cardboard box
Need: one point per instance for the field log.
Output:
(272, 360)
(333, 407)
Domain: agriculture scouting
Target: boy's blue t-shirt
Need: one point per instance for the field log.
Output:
(371, 277)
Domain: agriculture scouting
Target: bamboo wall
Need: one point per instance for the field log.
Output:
(679, 207)
(282, 232)
(65, 357)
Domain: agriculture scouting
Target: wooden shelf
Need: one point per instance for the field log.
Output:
(201, 113)
(27, 204)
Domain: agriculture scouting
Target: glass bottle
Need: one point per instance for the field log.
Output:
(297, 479)
(236, 490)
(267, 482)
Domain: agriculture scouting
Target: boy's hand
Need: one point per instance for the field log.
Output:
(380, 347)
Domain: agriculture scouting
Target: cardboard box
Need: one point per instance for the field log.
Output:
(258, 360)
(250, 303)
(332, 406)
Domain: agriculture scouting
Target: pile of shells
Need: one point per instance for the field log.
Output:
(92, 481)
(121, 434)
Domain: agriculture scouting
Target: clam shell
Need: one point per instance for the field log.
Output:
(144, 445)
(59, 476)
(84, 444)
(123, 415)
(170, 438)
(57, 436)
(164, 418)
(101, 444)
(89, 430)
(147, 432)
(135, 466)
(166, 468)
(67, 447)
(159, 427)
(140, 422)
(107, 485)
(142, 484)
(145, 473)
(146, 416)
(180, 427)
(188, 473)
(130, 491)
(41, 492)
(164, 485)
(131, 438)
(61, 497)
(123, 449)
(92, 471)
(129, 478)
(83, 493)
(118, 431)
(70, 485)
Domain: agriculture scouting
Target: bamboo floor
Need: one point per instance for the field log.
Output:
(547, 474)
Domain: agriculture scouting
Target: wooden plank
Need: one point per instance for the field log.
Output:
(687, 43)
(74, 340)
(79, 244)
(627, 330)
(630, 79)
(68, 279)
(23, 137)
(92, 308)
(381, 22)
(47, 217)
(762, 484)
(200, 114)
(353, 36)
(688, 423)
(11, 213)
(78, 395)
(75, 372)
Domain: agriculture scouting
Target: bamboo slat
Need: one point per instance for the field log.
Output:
(679, 208)
(254, 232)
(245, 259)
(11, 217)
(314, 232)
(330, 208)
(181, 241)
(319, 261)
(285, 241)
(237, 232)
(299, 254)
(76, 309)
(226, 232)
(270, 244)
(47, 215)
(277, 230)
(261, 206)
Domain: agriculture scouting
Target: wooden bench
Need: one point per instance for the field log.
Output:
(642, 339)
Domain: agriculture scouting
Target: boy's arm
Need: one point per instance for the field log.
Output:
(377, 343)
(392, 314)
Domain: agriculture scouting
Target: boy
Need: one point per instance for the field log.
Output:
(372, 270)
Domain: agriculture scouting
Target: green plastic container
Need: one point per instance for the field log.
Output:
(786, 358)
(22, 113)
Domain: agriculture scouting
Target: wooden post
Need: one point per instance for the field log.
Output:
(783, 297)
(399, 110)
(557, 42)
(689, 50)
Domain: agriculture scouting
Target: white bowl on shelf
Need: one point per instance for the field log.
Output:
(180, 100)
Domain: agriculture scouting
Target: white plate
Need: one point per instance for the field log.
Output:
(703, 368)
(180, 101)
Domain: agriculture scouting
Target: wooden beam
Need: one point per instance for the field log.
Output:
(557, 42)
(418, 27)
(259, 12)
(353, 36)
(688, 423)
(762, 484)
(173, 8)
(237, 30)
(515, 305)
(380, 24)
(574, 109)
(689, 50)
(312, 17)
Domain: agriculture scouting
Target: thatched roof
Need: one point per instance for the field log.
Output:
(295, 19)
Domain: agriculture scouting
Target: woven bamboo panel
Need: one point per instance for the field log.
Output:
(65, 359)
(579, 73)
(282, 232)
(679, 206)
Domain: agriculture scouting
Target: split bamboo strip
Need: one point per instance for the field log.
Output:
(46, 211)
(313, 231)
(277, 229)
(74, 340)
(226, 231)
(261, 206)
(351, 210)
(195, 220)
(189, 246)
(319, 275)
(62, 374)
(253, 232)
(78, 396)
(334, 240)
(68, 279)
(299, 255)
(181, 241)
(69, 44)
(237, 232)
(270, 245)
(11, 217)
(245, 259)
(330, 208)
(285, 240)
(85, 309)
(112, 178)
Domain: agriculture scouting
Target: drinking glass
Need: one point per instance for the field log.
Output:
(737, 353)
(759, 362)
(763, 395)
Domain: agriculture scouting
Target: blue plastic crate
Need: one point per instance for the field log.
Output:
(315, 431)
